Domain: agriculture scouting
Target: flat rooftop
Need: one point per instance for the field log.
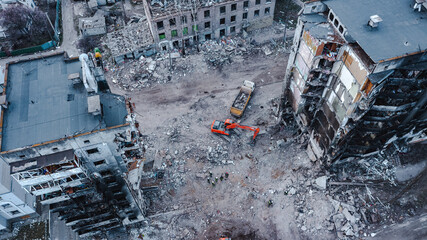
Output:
(44, 105)
(402, 31)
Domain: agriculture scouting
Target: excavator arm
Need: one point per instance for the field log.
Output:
(236, 125)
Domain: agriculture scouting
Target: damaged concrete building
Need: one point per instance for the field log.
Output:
(183, 22)
(69, 143)
(357, 76)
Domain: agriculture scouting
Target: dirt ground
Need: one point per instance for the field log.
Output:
(273, 190)
(187, 204)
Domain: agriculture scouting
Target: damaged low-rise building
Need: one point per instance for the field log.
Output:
(181, 23)
(357, 76)
(67, 143)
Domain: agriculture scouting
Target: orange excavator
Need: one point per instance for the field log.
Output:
(225, 128)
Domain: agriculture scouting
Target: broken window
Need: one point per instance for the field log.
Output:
(245, 16)
(257, 2)
(14, 212)
(162, 36)
(174, 33)
(222, 21)
(172, 22)
(185, 31)
(194, 17)
(232, 29)
(331, 16)
(256, 13)
(160, 25)
(92, 150)
(222, 32)
(195, 28)
(267, 11)
(207, 37)
(233, 19)
(99, 162)
(7, 205)
(222, 10)
(234, 7)
(245, 4)
(183, 19)
(207, 24)
(207, 13)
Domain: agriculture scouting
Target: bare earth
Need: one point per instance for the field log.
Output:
(175, 118)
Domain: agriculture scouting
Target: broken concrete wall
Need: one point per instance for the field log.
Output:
(182, 23)
(350, 105)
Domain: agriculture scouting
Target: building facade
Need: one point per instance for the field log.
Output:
(357, 78)
(180, 23)
(67, 144)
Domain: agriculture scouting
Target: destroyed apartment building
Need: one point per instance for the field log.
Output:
(66, 145)
(175, 24)
(357, 76)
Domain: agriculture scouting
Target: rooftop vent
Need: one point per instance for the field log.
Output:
(419, 5)
(374, 21)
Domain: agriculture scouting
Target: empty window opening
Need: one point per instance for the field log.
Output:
(92, 151)
(7, 205)
(207, 13)
(267, 11)
(14, 212)
(160, 25)
(234, 7)
(86, 141)
(245, 4)
(222, 32)
(222, 10)
(257, 2)
(341, 29)
(207, 24)
(267, 1)
(336, 23)
(21, 156)
(99, 162)
(183, 19)
(331, 17)
(172, 22)
(207, 37)
(245, 16)
(70, 97)
(232, 18)
(194, 17)
(55, 149)
(256, 13)
(222, 21)
(175, 44)
(232, 29)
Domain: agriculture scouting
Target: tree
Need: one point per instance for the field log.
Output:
(24, 26)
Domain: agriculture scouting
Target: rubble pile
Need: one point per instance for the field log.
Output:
(220, 53)
(130, 38)
(240, 100)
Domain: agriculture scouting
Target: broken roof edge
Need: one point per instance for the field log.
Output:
(64, 138)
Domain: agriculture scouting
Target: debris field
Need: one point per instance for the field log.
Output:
(210, 188)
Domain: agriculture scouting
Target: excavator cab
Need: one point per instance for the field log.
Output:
(220, 127)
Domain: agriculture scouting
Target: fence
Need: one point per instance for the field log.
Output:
(44, 46)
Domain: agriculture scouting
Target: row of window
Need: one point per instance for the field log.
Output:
(172, 21)
(174, 33)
